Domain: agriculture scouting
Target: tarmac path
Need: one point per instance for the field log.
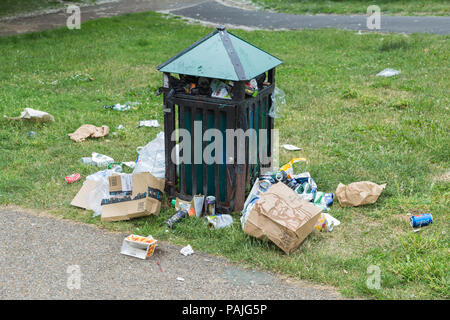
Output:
(229, 13)
(40, 256)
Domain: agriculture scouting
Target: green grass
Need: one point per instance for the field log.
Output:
(15, 7)
(388, 7)
(351, 125)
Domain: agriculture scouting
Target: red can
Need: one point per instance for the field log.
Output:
(73, 177)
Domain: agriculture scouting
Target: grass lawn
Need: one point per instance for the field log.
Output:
(388, 7)
(15, 7)
(351, 125)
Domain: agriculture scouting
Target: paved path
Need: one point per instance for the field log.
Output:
(36, 251)
(217, 13)
(58, 18)
(210, 11)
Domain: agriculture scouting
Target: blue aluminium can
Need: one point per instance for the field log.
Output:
(329, 199)
(421, 220)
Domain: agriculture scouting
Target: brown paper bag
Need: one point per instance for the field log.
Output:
(88, 130)
(283, 217)
(358, 193)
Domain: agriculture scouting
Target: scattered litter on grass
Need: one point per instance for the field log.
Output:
(129, 164)
(116, 166)
(81, 77)
(187, 251)
(210, 205)
(388, 73)
(101, 160)
(323, 200)
(326, 222)
(148, 123)
(152, 157)
(290, 147)
(73, 178)
(32, 114)
(278, 99)
(138, 246)
(198, 201)
(118, 107)
(53, 83)
(88, 131)
(132, 103)
(281, 216)
(420, 220)
(284, 203)
(120, 127)
(288, 167)
(31, 134)
(132, 196)
(176, 218)
(358, 193)
(219, 221)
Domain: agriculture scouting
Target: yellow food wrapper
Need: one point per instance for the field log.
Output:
(138, 246)
(288, 166)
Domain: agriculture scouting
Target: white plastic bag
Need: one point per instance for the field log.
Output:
(152, 157)
(94, 198)
(389, 72)
(278, 98)
(32, 114)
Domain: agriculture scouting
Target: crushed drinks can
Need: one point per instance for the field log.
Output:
(87, 160)
(281, 176)
(329, 199)
(268, 178)
(421, 220)
(264, 185)
(73, 177)
(173, 220)
(210, 205)
(292, 184)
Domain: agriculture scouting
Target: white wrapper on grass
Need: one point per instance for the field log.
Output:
(101, 160)
(32, 114)
(290, 147)
(389, 72)
(149, 123)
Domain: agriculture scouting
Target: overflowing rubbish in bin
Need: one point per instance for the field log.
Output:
(219, 83)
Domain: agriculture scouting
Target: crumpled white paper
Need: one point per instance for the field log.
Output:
(32, 114)
(187, 251)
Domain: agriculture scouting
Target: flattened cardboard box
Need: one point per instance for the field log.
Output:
(283, 217)
(150, 205)
(119, 183)
(124, 210)
(80, 200)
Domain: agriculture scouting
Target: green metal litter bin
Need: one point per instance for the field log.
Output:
(223, 56)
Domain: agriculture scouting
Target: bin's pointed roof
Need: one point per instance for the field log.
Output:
(221, 55)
